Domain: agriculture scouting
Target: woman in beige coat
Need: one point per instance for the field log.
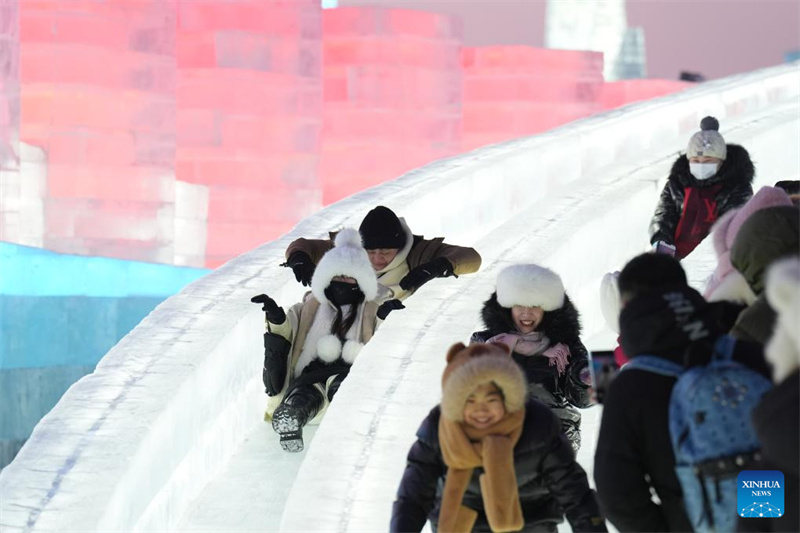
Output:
(310, 349)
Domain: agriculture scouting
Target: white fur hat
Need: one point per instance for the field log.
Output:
(530, 286)
(783, 294)
(346, 258)
(610, 304)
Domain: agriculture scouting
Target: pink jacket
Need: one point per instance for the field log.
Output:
(726, 283)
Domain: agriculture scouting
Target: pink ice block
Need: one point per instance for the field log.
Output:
(240, 50)
(196, 49)
(128, 183)
(528, 58)
(624, 92)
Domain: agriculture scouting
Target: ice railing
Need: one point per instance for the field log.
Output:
(131, 445)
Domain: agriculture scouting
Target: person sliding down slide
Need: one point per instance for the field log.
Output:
(403, 262)
(308, 351)
(710, 180)
(490, 458)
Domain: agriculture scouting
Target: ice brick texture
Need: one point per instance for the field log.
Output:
(97, 96)
(513, 91)
(392, 86)
(10, 200)
(187, 132)
(624, 92)
(249, 99)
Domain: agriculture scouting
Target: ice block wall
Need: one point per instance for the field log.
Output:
(97, 89)
(249, 101)
(188, 131)
(10, 193)
(59, 314)
(392, 95)
(619, 93)
(513, 91)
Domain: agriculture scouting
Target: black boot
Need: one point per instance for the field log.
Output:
(333, 388)
(299, 406)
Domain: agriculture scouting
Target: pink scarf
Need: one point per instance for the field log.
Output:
(535, 343)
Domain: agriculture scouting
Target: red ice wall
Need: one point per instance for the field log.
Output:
(392, 85)
(249, 114)
(98, 95)
(190, 131)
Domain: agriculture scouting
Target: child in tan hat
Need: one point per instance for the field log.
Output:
(504, 463)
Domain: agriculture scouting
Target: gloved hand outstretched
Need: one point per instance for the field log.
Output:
(302, 266)
(389, 306)
(438, 268)
(274, 312)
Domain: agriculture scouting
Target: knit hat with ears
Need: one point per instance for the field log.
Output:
(469, 367)
(530, 286)
(346, 258)
(708, 141)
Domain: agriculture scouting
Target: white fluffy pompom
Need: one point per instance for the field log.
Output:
(351, 350)
(329, 348)
(348, 237)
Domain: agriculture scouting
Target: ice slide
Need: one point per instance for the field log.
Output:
(167, 434)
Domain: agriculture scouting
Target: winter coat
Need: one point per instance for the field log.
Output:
(768, 235)
(732, 186)
(634, 442)
(776, 418)
(550, 481)
(726, 283)
(295, 329)
(417, 251)
(559, 326)
(776, 423)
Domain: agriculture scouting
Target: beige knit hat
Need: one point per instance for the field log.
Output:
(708, 141)
(470, 367)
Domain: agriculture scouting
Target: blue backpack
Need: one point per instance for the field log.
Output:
(711, 432)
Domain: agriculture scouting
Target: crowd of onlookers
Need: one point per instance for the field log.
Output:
(708, 385)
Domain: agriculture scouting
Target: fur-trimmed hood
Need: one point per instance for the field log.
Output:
(347, 258)
(468, 367)
(783, 294)
(737, 168)
(560, 325)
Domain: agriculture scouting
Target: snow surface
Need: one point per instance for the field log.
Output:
(167, 433)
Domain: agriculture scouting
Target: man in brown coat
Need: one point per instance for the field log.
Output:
(403, 261)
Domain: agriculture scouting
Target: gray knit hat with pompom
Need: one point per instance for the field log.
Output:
(708, 141)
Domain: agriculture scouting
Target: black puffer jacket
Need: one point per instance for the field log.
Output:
(551, 483)
(634, 444)
(560, 326)
(736, 175)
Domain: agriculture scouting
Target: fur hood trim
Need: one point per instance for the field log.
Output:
(470, 367)
(736, 169)
(783, 294)
(530, 286)
(346, 258)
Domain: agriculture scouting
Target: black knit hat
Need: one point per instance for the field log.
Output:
(648, 272)
(382, 229)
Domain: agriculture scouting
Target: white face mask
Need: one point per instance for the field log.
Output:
(703, 171)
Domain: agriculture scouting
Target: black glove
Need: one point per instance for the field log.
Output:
(389, 306)
(438, 268)
(302, 266)
(276, 361)
(274, 312)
